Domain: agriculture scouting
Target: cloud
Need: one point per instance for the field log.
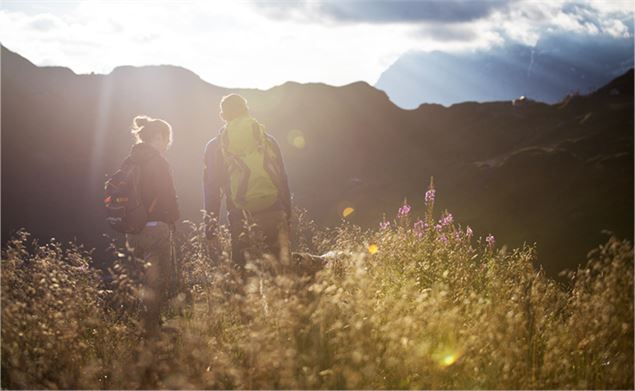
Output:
(45, 22)
(227, 45)
(614, 6)
(238, 44)
(431, 11)
(451, 20)
(617, 28)
(397, 11)
(445, 34)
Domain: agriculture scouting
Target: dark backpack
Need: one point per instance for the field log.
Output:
(125, 211)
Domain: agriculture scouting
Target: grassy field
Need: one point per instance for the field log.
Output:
(415, 304)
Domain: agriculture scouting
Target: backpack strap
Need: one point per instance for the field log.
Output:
(271, 163)
(258, 135)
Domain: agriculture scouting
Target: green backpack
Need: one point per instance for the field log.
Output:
(251, 163)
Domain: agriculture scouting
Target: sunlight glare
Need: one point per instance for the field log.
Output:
(373, 248)
(101, 126)
(347, 211)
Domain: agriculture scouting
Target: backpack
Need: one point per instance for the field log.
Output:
(251, 163)
(125, 211)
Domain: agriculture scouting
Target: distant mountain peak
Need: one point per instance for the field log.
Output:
(559, 65)
(9, 55)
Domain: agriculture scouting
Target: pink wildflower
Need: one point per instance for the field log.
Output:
(404, 210)
(430, 196)
(490, 240)
(447, 219)
(384, 225)
(469, 232)
(419, 228)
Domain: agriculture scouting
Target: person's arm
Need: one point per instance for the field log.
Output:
(212, 180)
(163, 204)
(173, 206)
(285, 194)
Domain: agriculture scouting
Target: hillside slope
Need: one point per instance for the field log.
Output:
(555, 174)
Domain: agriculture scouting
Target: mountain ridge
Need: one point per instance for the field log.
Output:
(360, 150)
(557, 65)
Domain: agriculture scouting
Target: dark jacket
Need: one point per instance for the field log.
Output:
(216, 183)
(157, 188)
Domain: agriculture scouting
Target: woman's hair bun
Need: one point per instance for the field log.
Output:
(145, 129)
(141, 120)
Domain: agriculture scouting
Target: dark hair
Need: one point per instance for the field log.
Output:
(233, 106)
(146, 129)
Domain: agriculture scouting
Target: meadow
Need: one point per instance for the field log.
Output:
(417, 303)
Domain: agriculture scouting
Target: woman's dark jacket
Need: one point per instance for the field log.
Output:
(157, 188)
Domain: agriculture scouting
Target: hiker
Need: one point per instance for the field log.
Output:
(152, 240)
(245, 164)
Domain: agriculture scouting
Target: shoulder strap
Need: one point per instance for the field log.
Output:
(258, 134)
(271, 160)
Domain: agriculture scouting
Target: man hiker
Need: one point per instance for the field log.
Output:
(244, 164)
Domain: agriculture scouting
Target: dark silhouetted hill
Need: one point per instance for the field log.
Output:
(553, 174)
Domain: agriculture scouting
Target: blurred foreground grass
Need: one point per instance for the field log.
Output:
(415, 304)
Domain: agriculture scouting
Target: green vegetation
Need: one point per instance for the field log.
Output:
(414, 304)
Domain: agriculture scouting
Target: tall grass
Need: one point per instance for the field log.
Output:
(413, 304)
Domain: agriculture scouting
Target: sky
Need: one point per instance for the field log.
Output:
(261, 44)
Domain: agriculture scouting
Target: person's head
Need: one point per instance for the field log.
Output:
(233, 106)
(152, 131)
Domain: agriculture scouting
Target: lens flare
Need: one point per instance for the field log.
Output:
(299, 142)
(447, 355)
(347, 211)
(448, 360)
(296, 138)
(373, 248)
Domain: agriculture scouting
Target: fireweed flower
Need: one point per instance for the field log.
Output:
(404, 210)
(384, 225)
(443, 239)
(419, 228)
(447, 219)
(438, 227)
(490, 240)
(430, 196)
(469, 232)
